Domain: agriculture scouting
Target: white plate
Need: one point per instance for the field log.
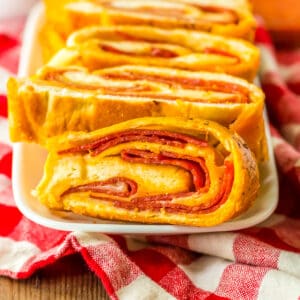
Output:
(28, 163)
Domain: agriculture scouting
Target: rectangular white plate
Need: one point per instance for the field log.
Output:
(28, 164)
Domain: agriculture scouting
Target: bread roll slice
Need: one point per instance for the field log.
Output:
(57, 100)
(152, 170)
(101, 47)
(230, 18)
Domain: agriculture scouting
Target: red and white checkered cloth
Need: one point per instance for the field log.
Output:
(262, 262)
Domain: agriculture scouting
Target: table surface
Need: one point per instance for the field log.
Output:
(69, 278)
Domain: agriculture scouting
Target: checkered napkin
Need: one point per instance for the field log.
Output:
(262, 262)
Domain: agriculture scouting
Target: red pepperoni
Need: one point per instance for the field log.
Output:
(144, 135)
(118, 189)
(154, 52)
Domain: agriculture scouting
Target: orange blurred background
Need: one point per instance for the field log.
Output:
(282, 18)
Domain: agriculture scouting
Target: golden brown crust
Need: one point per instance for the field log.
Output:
(73, 169)
(59, 100)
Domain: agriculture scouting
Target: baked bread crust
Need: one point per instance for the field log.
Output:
(152, 170)
(57, 100)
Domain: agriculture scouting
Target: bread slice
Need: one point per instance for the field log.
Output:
(151, 170)
(101, 47)
(72, 99)
(229, 18)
